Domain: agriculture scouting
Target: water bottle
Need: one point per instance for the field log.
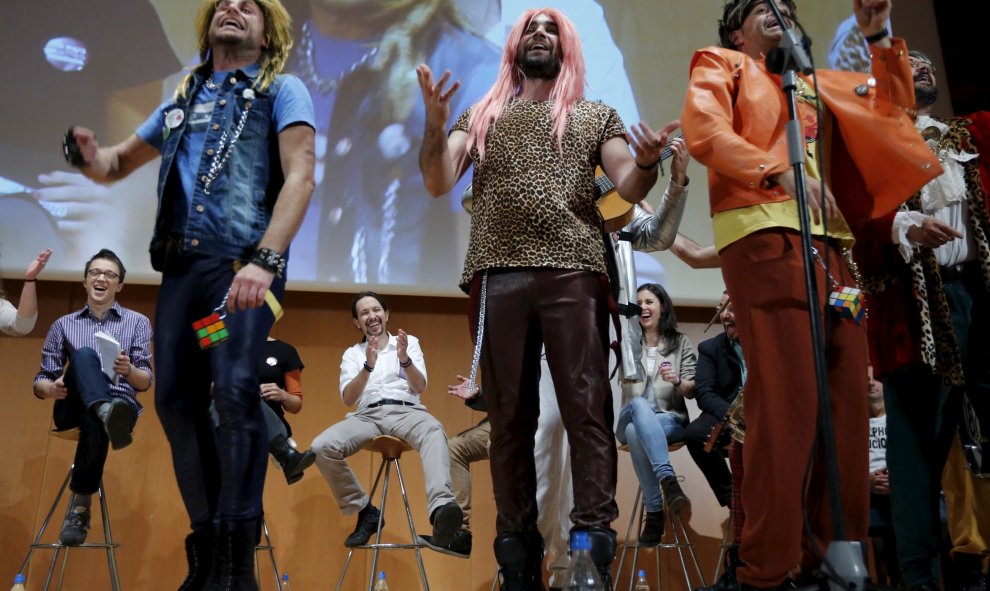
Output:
(285, 582)
(380, 584)
(641, 584)
(581, 574)
(18, 583)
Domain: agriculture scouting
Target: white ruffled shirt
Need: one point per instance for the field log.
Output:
(944, 198)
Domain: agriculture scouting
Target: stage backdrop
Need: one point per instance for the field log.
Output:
(108, 64)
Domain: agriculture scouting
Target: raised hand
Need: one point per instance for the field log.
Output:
(401, 345)
(679, 161)
(871, 15)
(86, 141)
(435, 97)
(37, 265)
(646, 144)
(371, 351)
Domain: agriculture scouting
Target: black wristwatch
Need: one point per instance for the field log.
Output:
(269, 260)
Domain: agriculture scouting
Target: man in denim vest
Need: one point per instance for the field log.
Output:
(236, 176)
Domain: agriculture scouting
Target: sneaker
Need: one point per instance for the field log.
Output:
(652, 528)
(367, 525)
(74, 527)
(677, 501)
(460, 547)
(446, 520)
(118, 421)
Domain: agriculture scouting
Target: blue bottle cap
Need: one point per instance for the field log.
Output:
(285, 577)
(580, 541)
(381, 575)
(642, 573)
(19, 578)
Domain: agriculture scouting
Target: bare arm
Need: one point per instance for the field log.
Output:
(27, 306)
(634, 174)
(295, 144)
(414, 377)
(442, 159)
(115, 162)
(695, 255)
(355, 387)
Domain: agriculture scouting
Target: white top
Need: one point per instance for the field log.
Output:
(11, 323)
(878, 443)
(388, 380)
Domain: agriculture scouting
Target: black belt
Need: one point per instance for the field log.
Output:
(385, 401)
(958, 272)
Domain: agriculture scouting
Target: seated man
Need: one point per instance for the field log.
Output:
(76, 376)
(718, 380)
(384, 376)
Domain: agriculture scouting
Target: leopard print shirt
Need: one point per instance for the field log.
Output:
(533, 205)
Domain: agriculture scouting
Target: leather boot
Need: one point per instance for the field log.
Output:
(727, 580)
(520, 560)
(199, 555)
(652, 528)
(293, 462)
(603, 546)
(233, 560)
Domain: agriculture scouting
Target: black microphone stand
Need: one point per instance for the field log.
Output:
(843, 557)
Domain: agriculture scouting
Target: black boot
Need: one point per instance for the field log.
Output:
(727, 580)
(520, 560)
(652, 528)
(603, 547)
(199, 555)
(968, 572)
(233, 560)
(293, 463)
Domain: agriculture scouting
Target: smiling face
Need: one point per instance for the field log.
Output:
(238, 23)
(760, 32)
(728, 318)
(652, 310)
(538, 53)
(102, 283)
(925, 84)
(372, 318)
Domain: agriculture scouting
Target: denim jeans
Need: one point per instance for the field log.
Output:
(646, 433)
(221, 475)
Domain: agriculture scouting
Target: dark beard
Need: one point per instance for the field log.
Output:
(543, 68)
(925, 96)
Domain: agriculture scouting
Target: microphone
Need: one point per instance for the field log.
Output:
(794, 49)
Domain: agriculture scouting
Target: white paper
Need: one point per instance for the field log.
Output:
(108, 348)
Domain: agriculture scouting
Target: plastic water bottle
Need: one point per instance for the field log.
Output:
(18, 583)
(641, 584)
(285, 582)
(581, 574)
(380, 584)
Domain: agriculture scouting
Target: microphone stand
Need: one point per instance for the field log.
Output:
(843, 556)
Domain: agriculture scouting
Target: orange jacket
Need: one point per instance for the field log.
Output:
(735, 114)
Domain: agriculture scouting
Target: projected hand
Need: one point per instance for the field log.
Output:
(435, 97)
(76, 204)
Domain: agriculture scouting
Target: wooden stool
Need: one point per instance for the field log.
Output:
(681, 540)
(108, 545)
(391, 449)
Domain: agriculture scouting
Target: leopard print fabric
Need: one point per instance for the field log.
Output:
(533, 205)
(939, 349)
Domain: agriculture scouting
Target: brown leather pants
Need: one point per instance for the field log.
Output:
(567, 312)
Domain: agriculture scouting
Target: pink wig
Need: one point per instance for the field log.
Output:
(568, 87)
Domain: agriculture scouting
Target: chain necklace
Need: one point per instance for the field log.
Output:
(223, 149)
(208, 81)
(310, 73)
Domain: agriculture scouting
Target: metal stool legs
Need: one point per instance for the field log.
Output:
(266, 546)
(377, 546)
(681, 541)
(58, 548)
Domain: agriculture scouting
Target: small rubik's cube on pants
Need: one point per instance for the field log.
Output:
(210, 331)
(848, 303)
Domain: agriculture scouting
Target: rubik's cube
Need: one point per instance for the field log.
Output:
(848, 303)
(210, 331)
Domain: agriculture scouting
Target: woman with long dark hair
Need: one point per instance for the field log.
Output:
(653, 410)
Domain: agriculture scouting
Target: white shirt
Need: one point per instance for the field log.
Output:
(11, 323)
(878, 443)
(388, 380)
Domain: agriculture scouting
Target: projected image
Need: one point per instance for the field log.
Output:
(63, 64)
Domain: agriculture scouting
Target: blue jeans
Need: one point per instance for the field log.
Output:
(646, 433)
(221, 476)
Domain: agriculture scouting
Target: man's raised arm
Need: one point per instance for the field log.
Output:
(107, 164)
(442, 160)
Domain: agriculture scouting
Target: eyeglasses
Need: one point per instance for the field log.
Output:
(917, 64)
(94, 273)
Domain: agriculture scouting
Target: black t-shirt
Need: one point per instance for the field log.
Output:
(279, 359)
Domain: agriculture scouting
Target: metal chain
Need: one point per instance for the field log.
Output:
(223, 152)
(476, 358)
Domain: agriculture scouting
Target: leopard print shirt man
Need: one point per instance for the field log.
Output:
(533, 205)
